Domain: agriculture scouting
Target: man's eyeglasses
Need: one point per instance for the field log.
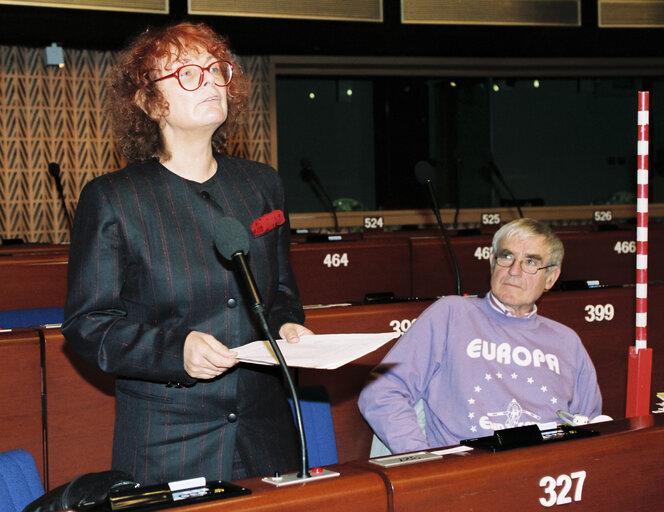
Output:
(529, 265)
(190, 76)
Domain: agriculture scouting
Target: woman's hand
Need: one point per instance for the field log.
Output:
(291, 332)
(205, 357)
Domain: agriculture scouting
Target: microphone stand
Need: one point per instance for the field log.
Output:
(310, 177)
(494, 168)
(54, 170)
(258, 308)
(436, 211)
(492, 161)
(248, 283)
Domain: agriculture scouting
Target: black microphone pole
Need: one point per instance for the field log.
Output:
(307, 174)
(494, 168)
(424, 173)
(54, 170)
(232, 241)
(492, 161)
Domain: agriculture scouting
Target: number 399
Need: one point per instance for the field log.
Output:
(599, 312)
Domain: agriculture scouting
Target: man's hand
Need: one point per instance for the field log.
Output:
(291, 332)
(205, 357)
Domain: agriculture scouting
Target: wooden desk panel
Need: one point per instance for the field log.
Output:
(355, 490)
(344, 384)
(621, 465)
(622, 472)
(33, 281)
(22, 250)
(433, 273)
(21, 394)
(80, 413)
(336, 272)
(607, 256)
(606, 340)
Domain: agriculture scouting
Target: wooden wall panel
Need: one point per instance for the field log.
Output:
(80, 413)
(50, 114)
(21, 394)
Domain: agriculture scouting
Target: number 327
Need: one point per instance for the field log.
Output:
(558, 489)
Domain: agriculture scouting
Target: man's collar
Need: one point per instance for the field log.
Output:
(501, 308)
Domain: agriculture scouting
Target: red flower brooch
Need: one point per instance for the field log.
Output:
(267, 222)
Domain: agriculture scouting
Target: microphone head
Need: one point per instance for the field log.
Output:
(54, 169)
(307, 172)
(424, 172)
(230, 237)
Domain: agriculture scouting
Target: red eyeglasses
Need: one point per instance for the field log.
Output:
(190, 76)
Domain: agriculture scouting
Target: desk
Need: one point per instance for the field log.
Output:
(356, 489)
(334, 272)
(604, 318)
(34, 280)
(618, 470)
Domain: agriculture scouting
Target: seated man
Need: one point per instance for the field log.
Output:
(484, 364)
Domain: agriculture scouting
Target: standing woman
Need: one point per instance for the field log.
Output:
(150, 300)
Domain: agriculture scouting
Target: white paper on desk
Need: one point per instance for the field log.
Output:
(324, 351)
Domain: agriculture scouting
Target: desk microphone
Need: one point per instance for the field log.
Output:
(54, 170)
(493, 168)
(309, 176)
(232, 241)
(424, 173)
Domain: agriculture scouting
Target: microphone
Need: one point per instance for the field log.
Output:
(232, 241)
(54, 170)
(309, 176)
(493, 168)
(425, 173)
(496, 171)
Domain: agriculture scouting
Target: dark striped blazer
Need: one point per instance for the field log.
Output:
(143, 273)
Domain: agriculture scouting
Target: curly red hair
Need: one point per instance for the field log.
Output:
(138, 136)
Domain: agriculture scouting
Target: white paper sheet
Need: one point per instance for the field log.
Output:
(324, 351)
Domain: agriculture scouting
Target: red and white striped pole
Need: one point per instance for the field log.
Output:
(640, 356)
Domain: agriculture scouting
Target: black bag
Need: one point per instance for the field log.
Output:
(87, 492)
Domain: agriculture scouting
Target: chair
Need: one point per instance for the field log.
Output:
(20, 483)
(318, 425)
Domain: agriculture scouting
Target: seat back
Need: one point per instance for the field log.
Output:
(19, 481)
(318, 425)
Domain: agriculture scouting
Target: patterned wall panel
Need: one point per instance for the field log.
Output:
(254, 139)
(48, 114)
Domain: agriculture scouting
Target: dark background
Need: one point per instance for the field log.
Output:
(75, 28)
(567, 143)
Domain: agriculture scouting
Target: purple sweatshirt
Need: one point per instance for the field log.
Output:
(476, 371)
